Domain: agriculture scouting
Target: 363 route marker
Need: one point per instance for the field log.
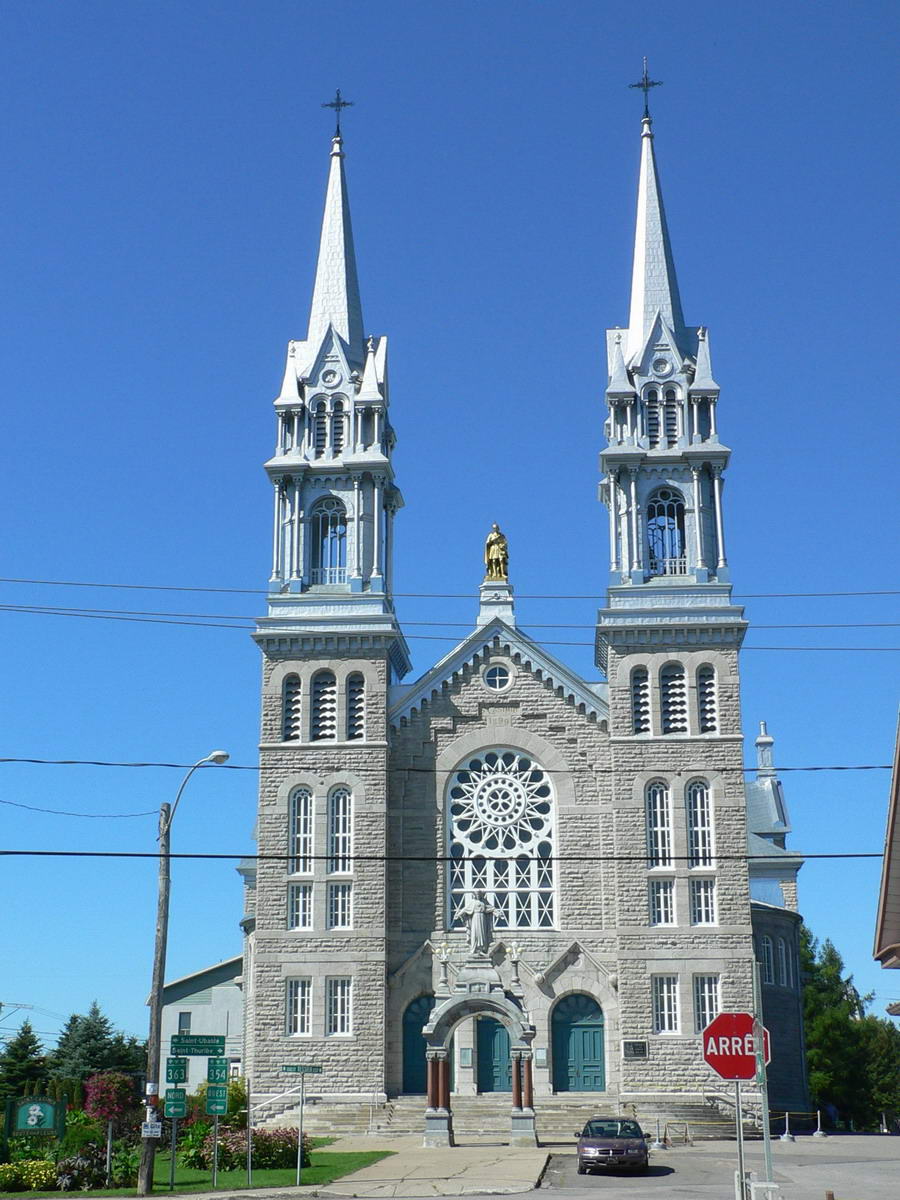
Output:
(728, 1046)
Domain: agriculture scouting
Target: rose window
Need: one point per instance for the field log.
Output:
(501, 829)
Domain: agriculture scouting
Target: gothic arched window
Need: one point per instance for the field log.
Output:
(340, 829)
(328, 525)
(673, 698)
(658, 807)
(640, 700)
(290, 709)
(323, 726)
(665, 532)
(706, 699)
(501, 835)
(767, 959)
(300, 831)
(356, 707)
(651, 410)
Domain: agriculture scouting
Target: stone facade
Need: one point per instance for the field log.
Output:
(609, 820)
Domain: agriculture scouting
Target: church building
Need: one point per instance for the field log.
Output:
(501, 877)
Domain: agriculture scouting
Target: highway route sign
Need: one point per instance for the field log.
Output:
(176, 1070)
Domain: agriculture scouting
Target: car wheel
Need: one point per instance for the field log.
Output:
(643, 1167)
(582, 1169)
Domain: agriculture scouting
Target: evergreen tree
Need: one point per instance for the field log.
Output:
(22, 1065)
(89, 1044)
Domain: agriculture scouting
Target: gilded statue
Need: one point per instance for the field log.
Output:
(496, 556)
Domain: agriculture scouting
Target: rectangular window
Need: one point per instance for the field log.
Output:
(299, 996)
(300, 832)
(340, 906)
(665, 1003)
(703, 901)
(299, 906)
(706, 1000)
(662, 901)
(340, 818)
(338, 1016)
(659, 826)
(184, 1022)
(700, 829)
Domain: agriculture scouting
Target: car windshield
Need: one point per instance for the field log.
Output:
(612, 1129)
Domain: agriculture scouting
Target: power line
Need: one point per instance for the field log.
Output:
(97, 762)
(62, 812)
(418, 858)
(156, 587)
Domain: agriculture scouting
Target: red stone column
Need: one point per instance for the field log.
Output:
(516, 1081)
(527, 1083)
(431, 1084)
(443, 1066)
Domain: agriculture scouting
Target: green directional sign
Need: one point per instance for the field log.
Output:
(302, 1068)
(216, 1100)
(176, 1102)
(198, 1043)
(217, 1070)
(176, 1070)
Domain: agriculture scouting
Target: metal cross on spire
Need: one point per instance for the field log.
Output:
(645, 84)
(337, 104)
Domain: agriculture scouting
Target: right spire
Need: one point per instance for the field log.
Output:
(654, 286)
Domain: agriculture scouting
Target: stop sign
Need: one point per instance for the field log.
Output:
(728, 1045)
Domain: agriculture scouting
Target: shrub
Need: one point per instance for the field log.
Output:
(190, 1143)
(81, 1130)
(126, 1159)
(26, 1147)
(37, 1173)
(10, 1178)
(271, 1148)
(84, 1170)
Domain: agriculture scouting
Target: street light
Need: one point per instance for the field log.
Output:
(166, 813)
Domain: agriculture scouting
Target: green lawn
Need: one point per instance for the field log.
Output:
(326, 1166)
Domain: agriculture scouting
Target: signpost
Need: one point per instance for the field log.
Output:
(176, 1106)
(301, 1069)
(216, 1091)
(731, 1048)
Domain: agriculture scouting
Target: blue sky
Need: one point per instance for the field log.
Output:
(163, 172)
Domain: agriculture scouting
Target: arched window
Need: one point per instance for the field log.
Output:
(290, 709)
(670, 417)
(700, 824)
(356, 707)
(673, 699)
(300, 831)
(320, 429)
(340, 829)
(659, 824)
(651, 408)
(328, 525)
(338, 427)
(501, 834)
(783, 969)
(706, 700)
(767, 959)
(665, 533)
(323, 727)
(640, 700)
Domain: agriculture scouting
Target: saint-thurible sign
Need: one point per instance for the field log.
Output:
(198, 1043)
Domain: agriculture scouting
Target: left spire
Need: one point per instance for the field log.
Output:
(335, 299)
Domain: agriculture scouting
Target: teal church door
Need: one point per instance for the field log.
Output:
(494, 1064)
(578, 1049)
(416, 1015)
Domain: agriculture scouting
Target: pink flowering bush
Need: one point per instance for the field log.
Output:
(271, 1148)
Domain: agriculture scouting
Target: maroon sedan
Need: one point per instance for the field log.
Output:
(611, 1142)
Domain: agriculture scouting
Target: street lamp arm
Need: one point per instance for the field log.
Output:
(217, 756)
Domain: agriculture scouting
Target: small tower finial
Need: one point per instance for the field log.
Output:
(337, 104)
(645, 84)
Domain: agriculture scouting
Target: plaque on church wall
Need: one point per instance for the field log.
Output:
(635, 1050)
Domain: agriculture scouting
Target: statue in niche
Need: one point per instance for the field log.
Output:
(496, 556)
(478, 914)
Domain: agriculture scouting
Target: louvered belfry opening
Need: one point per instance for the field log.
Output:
(640, 700)
(324, 707)
(706, 700)
(356, 707)
(673, 699)
(291, 727)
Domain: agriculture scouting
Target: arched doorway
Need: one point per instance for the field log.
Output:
(578, 1049)
(414, 1018)
(494, 1059)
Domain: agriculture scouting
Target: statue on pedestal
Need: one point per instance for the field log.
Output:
(496, 556)
(478, 914)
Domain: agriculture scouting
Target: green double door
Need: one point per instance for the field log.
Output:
(492, 1048)
(578, 1045)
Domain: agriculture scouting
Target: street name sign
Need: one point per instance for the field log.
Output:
(197, 1043)
(217, 1070)
(176, 1070)
(176, 1102)
(728, 1046)
(302, 1068)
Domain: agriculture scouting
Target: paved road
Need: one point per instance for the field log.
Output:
(854, 1168)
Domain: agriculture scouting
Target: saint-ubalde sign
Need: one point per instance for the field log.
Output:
(728, 1045)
